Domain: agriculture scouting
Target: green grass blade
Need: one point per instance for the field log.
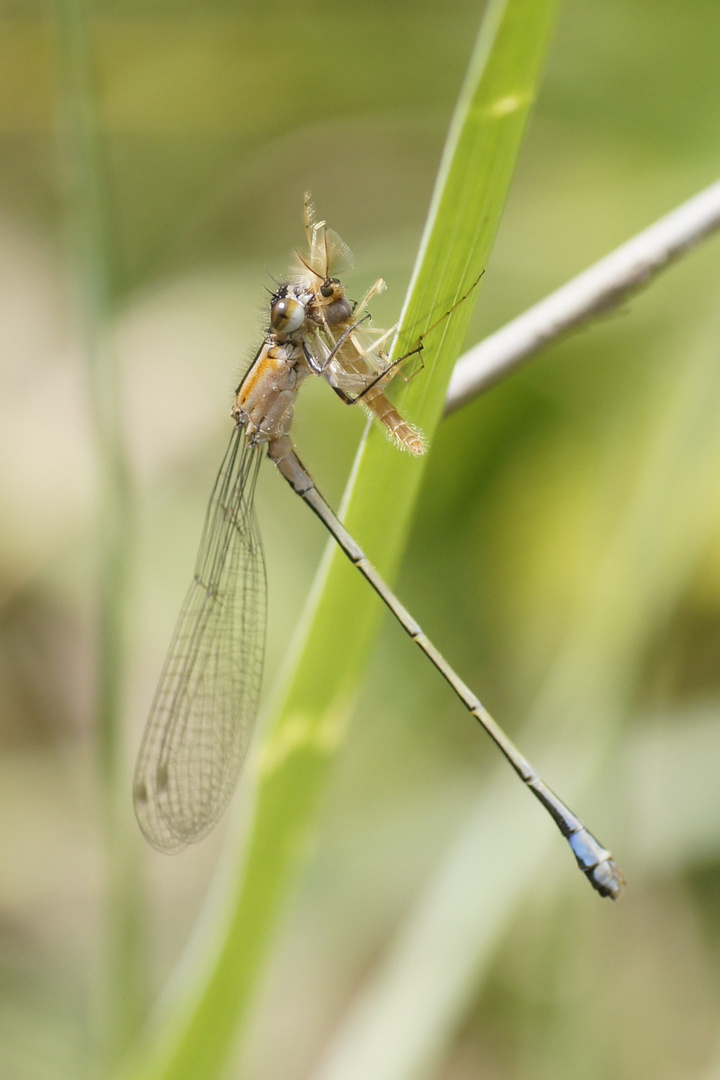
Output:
(198, 1034)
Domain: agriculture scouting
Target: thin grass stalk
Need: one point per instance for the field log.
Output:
(90, 244)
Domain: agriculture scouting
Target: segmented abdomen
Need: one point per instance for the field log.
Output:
(402, 433)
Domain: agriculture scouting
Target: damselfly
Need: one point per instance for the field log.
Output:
(204, 709)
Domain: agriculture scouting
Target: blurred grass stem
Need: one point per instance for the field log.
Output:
(85, 193)
(599, 289)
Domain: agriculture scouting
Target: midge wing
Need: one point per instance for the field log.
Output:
(353, 359)
(205, 706)
(327, 252)
(359, 371)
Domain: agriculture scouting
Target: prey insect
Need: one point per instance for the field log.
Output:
(206, 702)
(336, 337)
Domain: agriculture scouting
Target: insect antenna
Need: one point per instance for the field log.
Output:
(307, 266)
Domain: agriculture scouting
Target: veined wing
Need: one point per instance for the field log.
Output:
(327, 252)
(359, 371)
(355, 362)
(205, 706)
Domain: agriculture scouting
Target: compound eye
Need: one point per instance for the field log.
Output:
(327, 290)
(287, 315)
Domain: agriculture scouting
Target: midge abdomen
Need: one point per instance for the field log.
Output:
(402, 433)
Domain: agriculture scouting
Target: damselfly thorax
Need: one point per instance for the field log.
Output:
(265, 399)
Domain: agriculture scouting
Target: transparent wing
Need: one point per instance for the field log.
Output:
(352, 364)
(205, 706)
(338, 256)
(358, 370)
(327, 252)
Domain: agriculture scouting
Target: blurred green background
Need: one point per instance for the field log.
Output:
(566, 554)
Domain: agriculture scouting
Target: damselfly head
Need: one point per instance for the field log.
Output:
(287, 312)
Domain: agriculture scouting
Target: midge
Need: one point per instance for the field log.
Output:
(313, 311)
(205, 706)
